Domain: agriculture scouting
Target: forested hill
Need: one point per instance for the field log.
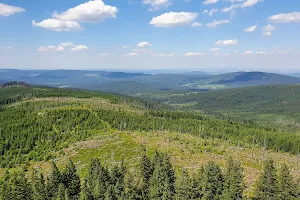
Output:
(40, 124)
(259, 103)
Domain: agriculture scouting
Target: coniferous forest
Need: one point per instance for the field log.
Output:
(38, 125)
(153, 179)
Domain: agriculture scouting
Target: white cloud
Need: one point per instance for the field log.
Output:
(7, 48)
(269, 28)
(286, 17)
(194, 54)
(57, 25)
(217, 22)
(143, 44)
(7, 10)
(103, 54)
(242, 4)
(249, 53)
(79, 48)
(157, 4)
(50, 48)
(250, 29)
(210, 12)
(249, 3)
(196, 24)
(131, 54)
(267, 33)
(91, 11)
(227, 42)
(210, 1)
(214, 49)
(172, 19)
(60, 49)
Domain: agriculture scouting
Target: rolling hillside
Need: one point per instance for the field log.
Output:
(40, 124)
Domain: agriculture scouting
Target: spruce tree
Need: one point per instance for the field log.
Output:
(183, 190)
(212, 182)
(287, 186)
(86, 193)
(38, 186)
(53, 182)
(71, 181)
(147, 171)
(233, 183)
(267, 185)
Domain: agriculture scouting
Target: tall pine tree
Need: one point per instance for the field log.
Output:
(233, 185)
(267, 185)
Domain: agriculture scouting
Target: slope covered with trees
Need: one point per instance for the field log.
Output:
(152, 179)
(40, 124)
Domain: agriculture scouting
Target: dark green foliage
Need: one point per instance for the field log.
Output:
(39, 191)
(267, 185)
(16, 187)
(162, 182)
(54, 180)
(118, 183)
(233, 185)
(71, 181)
(213, 181)
(288, 189)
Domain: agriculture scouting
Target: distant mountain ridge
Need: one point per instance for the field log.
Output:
(136, 83)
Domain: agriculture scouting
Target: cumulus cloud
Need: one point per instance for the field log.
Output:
(250, 29)
(143, 44)
(157, 4)
(7, 10)
(194, 54)
(227, 42)
(286, 17)
(196, 24)
(91, 11)
(217, 22)
(79, 48)
(57, 25)
(241, 4)
(267, 30)
(210, 1)
(172, 19)
(61, 47)
(210, 12)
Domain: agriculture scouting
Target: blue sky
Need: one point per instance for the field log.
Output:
(210, 35)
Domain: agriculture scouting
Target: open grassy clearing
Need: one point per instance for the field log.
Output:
(186, 151)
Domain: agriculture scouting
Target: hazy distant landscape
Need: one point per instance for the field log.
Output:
(141, 83)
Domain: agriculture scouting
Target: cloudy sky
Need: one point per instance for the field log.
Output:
(211, 35)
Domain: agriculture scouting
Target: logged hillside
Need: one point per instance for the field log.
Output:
(40, 124)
